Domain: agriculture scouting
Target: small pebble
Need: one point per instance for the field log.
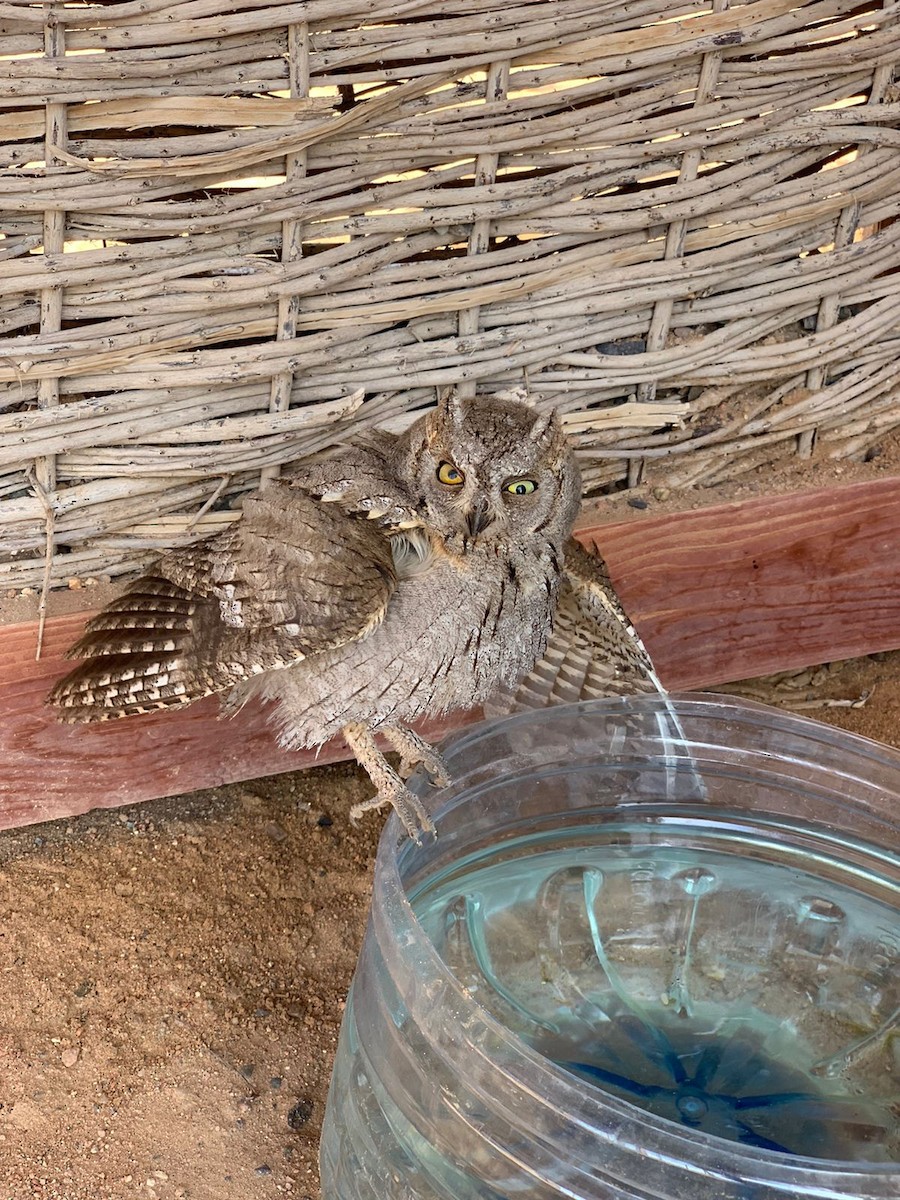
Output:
(324, 821)
(247, 1070)
(275, 832)
(69, 1056)
(637, 502)
(264, 1169)
(299, 1115)
(275, 1082)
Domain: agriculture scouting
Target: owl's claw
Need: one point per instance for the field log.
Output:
(391, 788)
(436, 769)
(414, 751)
(409, 808)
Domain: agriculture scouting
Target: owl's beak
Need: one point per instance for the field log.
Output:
(478, 518)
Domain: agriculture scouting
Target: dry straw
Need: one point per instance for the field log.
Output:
(232, 233)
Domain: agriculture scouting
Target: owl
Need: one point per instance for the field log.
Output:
(404, 576)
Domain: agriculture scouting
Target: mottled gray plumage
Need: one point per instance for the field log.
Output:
(404, 576)
(593, 649)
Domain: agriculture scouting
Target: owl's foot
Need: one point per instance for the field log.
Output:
(409, 808)
(413, 751)
(390, 787)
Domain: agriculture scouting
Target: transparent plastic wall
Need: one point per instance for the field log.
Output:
(652, 953)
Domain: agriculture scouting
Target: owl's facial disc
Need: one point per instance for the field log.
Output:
(492, 471)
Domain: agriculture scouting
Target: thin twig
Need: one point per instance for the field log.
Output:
(49, 531)
(204, 509)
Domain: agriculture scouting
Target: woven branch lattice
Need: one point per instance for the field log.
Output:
(228, 235)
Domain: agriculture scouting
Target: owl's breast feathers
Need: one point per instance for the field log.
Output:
(457, 628)
(593, 649)
(293, 578)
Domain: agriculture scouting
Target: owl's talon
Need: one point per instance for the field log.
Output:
(391, 788)
(414, 751)
(408, 807)
(438, 772)
(433, 767)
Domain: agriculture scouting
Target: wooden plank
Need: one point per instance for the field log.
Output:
(757, 586)
(717, 593)
(49, 770)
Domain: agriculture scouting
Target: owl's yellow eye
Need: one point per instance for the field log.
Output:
(520, 487)
(450, 475)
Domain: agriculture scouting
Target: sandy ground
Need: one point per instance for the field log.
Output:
(173, 980)
(174, 975)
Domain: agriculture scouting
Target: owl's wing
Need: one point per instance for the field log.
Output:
(593, 651)
(292, 578)
(359, 478)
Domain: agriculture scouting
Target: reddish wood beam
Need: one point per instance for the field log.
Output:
(717, 593)
(758, 586)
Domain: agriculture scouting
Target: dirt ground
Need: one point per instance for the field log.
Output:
(173, 981)
(174, 974)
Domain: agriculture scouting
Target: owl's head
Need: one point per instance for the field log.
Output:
(491, 470)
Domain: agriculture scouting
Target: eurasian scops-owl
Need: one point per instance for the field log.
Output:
(404, 576)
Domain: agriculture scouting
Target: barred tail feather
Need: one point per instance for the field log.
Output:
(137, 656)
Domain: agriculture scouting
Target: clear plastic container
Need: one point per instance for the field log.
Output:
(653, 952)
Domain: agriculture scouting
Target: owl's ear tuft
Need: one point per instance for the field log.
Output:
(450, 407)
(445, 420)
(546, 427)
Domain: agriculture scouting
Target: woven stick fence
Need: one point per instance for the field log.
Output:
(231, 235)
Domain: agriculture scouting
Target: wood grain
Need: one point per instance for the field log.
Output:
(718, 594)
(757, 586)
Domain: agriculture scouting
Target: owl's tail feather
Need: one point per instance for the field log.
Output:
(137, 656)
